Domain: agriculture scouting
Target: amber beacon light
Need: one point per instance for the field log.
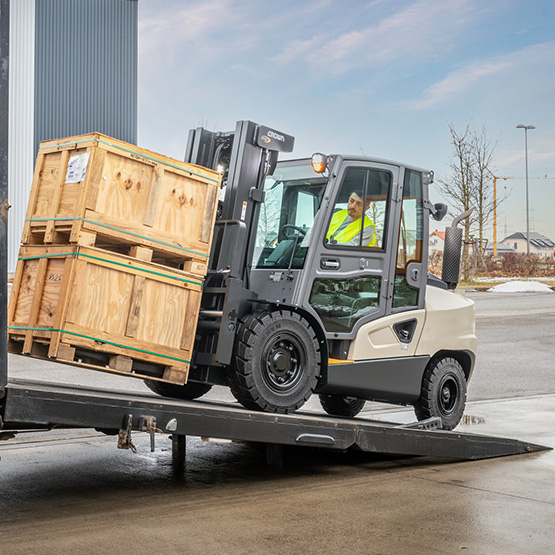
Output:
(319, 162)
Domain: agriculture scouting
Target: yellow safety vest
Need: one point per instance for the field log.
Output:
(347, 234)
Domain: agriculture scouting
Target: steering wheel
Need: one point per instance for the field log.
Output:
(301, 232)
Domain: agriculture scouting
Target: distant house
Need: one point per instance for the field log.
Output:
(539, 244)
(501, 249)
(437, 241)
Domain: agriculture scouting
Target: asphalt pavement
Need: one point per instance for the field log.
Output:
(516, 345)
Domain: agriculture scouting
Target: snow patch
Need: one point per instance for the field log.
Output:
(506, 278)
(521, 287)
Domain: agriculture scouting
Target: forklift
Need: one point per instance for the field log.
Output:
(293, 305)
(317, 283)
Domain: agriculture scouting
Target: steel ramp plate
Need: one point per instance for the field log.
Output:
(442, 443)
(40, 404)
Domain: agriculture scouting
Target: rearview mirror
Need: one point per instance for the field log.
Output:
(440, 211)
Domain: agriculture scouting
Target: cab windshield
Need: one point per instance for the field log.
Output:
(292, 197)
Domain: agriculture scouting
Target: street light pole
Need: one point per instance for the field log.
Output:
(526, 127)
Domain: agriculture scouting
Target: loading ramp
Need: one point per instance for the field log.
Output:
(34, 404)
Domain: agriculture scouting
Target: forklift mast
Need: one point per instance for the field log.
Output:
(245, 157)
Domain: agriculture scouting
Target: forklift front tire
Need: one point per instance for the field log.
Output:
(276, 361)
(337, 405)
(443, 393)
(189, 391)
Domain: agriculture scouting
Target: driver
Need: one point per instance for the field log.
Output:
(345, 224)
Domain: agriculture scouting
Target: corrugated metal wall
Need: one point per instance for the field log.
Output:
(73, 70)
(21, 124)
(86, 68)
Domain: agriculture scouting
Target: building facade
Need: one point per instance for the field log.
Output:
(540, 245)
(73, 70)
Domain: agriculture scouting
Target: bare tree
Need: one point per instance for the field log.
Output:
(483, 149)
(468, 183)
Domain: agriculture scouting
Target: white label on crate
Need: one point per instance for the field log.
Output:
(77, 168)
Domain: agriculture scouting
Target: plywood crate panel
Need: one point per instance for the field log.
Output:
(95, 190)
(76, 304)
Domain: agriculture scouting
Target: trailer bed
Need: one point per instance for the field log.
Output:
(36, 404)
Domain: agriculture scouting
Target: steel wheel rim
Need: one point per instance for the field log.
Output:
(283, 363)
(448, 394)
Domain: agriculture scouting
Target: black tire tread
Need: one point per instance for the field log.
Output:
(424, 407)
(336, 405)
(241, 381)
(189, 391)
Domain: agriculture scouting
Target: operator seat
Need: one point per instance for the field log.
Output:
(281, 255)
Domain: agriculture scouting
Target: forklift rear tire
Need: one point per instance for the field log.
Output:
(189, 391)
(276, 362)
(338, 405)
(443, 393)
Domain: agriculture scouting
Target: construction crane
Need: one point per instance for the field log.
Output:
(495, 178)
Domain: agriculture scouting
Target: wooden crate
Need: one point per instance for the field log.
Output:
(93, 190)
(113, 312)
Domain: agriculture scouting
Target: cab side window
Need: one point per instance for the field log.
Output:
(358, 219)
(409, 248)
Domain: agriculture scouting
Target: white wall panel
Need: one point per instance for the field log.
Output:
(21, 119)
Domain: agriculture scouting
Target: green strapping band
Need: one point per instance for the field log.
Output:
(137, 153)
(100, 341)
(71, 219)
(111, 262)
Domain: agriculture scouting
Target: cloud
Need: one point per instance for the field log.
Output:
(498, 79)
(420, 31)
(457, 82)
(313, 37)
(172, 29)
(297, 49)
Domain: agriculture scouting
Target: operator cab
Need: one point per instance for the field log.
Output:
(345, 244)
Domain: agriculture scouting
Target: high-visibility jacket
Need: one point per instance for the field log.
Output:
(348, 233)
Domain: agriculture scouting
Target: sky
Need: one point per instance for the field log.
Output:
(382, 78)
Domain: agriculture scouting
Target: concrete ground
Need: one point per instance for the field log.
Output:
(74, 492)
(82, 495)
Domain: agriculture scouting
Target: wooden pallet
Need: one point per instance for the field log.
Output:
(92, 235)
(98, 360)
(92, 189)
(73, 297)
